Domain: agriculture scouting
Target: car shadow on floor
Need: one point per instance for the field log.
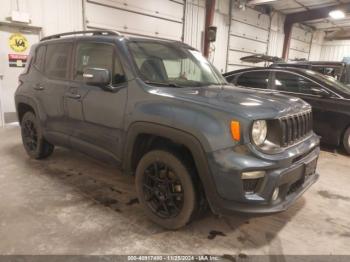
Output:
(334, 150)
(107, 187)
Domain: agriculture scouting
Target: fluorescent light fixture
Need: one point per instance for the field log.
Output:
(337, 14)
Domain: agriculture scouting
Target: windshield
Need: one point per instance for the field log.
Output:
(330, 81)
(173, 65)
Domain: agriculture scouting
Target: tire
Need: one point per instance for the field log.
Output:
(33, 141)
(150, 189)
(346, 141)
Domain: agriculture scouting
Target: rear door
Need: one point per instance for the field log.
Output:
(95, 115)
(51, 87)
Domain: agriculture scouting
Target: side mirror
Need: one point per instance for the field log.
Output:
(320, 92)
(97, 77)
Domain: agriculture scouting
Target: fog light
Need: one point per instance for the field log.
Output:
(253, 175)
(275, 194)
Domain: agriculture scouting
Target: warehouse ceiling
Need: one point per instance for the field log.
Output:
(295, 6)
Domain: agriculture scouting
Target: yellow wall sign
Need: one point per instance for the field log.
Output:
(18, 42)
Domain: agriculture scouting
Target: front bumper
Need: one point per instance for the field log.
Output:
(292, 176)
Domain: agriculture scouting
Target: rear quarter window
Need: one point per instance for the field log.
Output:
(57, 60)
(39, 58)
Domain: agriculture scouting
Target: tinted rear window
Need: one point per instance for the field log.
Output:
(57, 59)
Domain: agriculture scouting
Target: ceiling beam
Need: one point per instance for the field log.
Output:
(338, 35)
(300, 17)
(314, 14)
(209, 18)
(260, 2)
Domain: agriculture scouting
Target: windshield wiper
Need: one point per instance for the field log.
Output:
(163, 84)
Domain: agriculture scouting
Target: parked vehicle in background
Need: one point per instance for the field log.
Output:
(337, 70)
(163, 113)
(329, 98)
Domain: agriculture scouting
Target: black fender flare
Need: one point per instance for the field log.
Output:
(180, 137)
(21, 99)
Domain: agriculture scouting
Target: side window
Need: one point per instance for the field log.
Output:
(118, 75)
(56, 60)
(39, 58)
(97, 55)
(294, 83)
(254, 79)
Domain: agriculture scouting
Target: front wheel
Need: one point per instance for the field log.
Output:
(33, 141)
(165, 189)
(346, 141)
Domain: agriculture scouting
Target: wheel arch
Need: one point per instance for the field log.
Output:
(347, 126)
(176, 136)
(25, 104)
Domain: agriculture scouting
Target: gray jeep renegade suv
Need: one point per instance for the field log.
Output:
(162, 112)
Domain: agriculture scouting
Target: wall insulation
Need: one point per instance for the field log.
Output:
(194, 23)
(276, 38)
(316, 46)
(335, 50)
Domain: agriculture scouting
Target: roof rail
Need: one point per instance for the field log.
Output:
(93, 32)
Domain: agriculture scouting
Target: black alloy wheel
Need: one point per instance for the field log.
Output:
(30, 135)
(166, 189)
(33, 141)
(163, 190)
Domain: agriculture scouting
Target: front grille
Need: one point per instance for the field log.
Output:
(295, 127)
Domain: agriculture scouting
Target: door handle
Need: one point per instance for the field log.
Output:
(39, 87)
(74, 96)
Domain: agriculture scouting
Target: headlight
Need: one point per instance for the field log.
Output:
(259, 132)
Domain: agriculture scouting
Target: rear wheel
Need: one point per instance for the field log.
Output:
(33, 141)
(165, 189)
(346, 141)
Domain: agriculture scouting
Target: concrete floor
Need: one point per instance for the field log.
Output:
(70, 204)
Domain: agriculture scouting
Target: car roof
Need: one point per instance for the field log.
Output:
(325, 63)
(291, 69)
(108, 38)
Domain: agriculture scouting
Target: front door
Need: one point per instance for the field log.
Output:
(94, 114)
(324, 109)
(15, 44)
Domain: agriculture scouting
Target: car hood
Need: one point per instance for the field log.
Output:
(248, 103)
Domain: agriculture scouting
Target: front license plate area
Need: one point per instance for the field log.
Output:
(310, 168)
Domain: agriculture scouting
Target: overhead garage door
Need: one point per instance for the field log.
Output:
(148, 18)
(300, 43)
(249, 35)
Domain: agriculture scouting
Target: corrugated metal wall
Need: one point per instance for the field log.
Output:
(194, 23)
(276, 39)
(316, 47)
(335, 50)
